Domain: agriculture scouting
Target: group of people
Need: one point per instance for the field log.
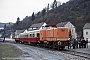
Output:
(81, 43)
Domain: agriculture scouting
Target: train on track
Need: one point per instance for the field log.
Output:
(50, 36)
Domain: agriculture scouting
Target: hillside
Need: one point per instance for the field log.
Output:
(75, 11)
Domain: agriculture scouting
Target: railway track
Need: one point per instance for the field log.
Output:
(75, 53)
(79, 54)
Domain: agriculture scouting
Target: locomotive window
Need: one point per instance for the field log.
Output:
(47, 28)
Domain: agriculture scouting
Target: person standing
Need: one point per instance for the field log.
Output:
(83, 43)
(80, 43)
(76, 43)
(87, 42)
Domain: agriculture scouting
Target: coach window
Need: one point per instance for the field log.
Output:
(25, 35)
(33, 35)
(43, 27)
(30, 35)
(37, 34)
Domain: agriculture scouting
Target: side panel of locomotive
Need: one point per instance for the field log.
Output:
(62, 34)
(56, 34)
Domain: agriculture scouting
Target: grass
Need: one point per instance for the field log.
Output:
(9, 51)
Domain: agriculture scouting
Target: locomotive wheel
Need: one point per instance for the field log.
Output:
(58, 47)
(22, 42)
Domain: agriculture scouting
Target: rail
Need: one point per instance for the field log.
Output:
(75, 53)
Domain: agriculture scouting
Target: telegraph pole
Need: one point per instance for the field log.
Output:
(4, 32)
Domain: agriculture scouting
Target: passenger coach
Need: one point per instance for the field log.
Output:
(29, 37)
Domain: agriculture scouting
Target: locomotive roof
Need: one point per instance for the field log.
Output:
(50, 25)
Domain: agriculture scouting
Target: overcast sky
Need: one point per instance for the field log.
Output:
(11, 9)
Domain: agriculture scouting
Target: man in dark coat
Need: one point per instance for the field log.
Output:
(87, 42)
(80, 43)
(83, 43)
(74, 43)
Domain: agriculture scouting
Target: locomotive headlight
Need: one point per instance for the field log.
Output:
(68, 38)
(59, 43)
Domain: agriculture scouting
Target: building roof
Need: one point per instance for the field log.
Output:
(86, 26)
(37, 26)
(19, 31)
(62, 24)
